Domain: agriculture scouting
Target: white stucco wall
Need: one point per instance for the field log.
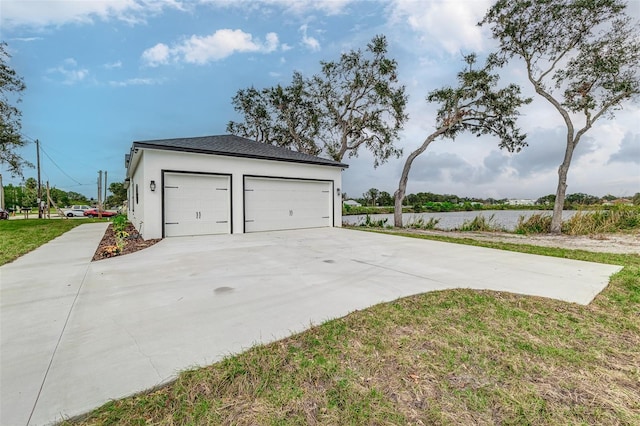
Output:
(146, 215)
(136, 207)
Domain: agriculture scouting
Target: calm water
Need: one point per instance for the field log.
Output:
(507, 219)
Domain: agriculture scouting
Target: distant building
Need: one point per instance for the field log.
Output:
(523, 202)
(352, 203)
(619, 202)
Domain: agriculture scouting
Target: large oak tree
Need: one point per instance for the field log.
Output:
(581, 56)
(352, 103)
(476, 105)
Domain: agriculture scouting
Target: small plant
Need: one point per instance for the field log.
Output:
(119, 225)
(534, 224)
(371, 223)
(480, 223)
(111, 251)
(420, 223)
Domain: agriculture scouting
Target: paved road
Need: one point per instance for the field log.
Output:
(76, 334)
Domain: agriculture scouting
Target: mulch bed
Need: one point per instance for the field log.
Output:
(133, 243)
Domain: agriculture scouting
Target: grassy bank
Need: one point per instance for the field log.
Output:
(18, 237)
(449, 357)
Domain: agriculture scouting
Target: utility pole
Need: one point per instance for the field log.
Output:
(104, 199)
(100, 194)
(39, 183)
(48, 213)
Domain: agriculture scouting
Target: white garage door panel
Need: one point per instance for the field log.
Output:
(273, 204)
(196, 204)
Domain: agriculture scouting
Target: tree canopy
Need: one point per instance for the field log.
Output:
(11, 87)
(281, 116)
(476, 105)
(353, 102)
(119, 194)
(581, 56)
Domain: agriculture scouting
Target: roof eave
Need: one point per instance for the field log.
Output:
(143, 145)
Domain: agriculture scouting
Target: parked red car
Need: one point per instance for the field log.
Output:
(94, 213)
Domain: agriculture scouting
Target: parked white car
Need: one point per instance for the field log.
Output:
(77, 210)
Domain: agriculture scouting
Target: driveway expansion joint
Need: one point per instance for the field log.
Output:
(55, 349)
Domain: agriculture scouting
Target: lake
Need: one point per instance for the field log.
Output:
(507, 219)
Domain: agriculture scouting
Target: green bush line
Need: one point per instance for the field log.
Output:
(437, 207)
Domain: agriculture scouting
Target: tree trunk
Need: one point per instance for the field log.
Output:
(402, 185)
(561, 191)
(397, 210)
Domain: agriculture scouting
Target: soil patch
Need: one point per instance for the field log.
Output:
(132, 243)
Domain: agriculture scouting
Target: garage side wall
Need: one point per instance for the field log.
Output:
(136, 196)
(155, 162)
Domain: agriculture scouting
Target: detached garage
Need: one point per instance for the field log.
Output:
(228, 184)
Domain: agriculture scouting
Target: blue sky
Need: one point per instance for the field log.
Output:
(101, 74)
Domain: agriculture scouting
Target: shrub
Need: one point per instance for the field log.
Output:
(480, 223)
(420, 223)
(119, 223)
(539, 223)
(614, 219)
(370, 223)
(618, 218)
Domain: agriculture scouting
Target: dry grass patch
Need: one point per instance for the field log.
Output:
(450, 357)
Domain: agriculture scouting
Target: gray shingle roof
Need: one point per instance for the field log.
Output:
(235, 146)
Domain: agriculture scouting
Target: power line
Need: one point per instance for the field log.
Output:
(59, 168)
(54, 163)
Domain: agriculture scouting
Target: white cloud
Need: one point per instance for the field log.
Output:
(70, 71)
(310, 42)
(449, 24)
(45, 13)
(272, 42)
(113, 65)
(297, 7)
(27, 39)
(156, 55)
(204, 49)
(136, 82)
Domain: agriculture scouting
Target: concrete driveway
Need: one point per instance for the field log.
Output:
(76, 334)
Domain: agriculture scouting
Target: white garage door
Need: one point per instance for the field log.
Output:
(272, 204)
(196, 204)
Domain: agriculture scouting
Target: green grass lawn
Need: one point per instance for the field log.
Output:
(447, 357)
(21, 236)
